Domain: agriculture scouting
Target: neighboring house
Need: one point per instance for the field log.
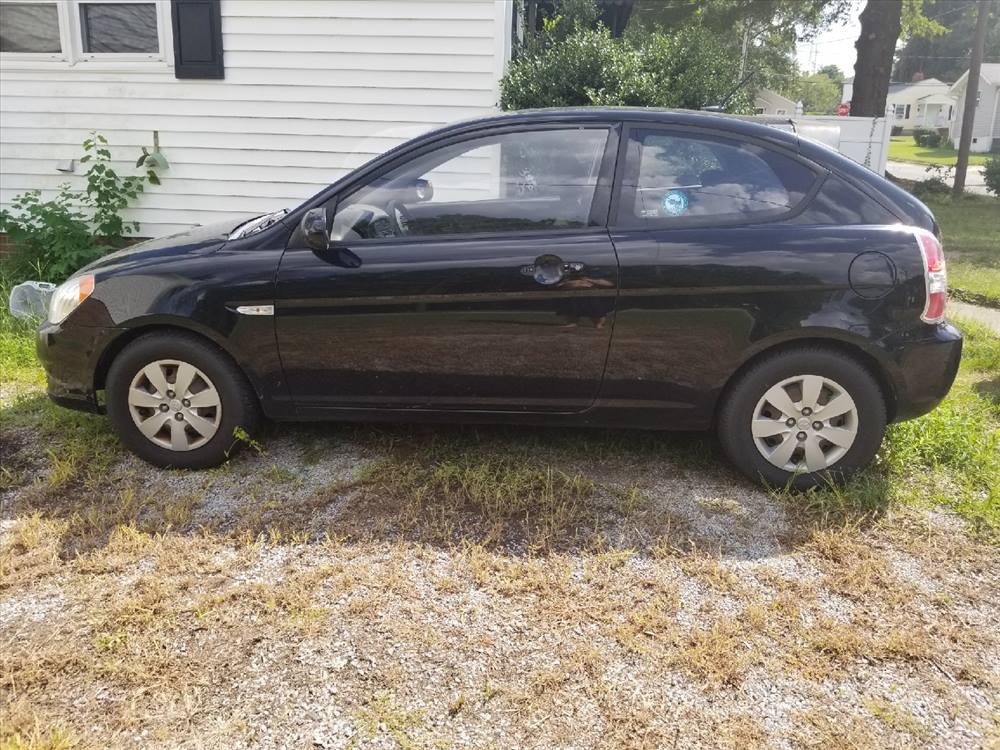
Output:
(258, 105)
(986, 124)
(767, 102)
(921, 104)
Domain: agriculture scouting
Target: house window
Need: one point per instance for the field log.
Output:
(781, 111)
(119, 28)
(31, 28)
(758, 110)
(900, 110)
(117, 32)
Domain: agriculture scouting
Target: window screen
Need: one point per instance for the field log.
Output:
(29, 27)
(119, 27)
(677, 179)
(543, 179)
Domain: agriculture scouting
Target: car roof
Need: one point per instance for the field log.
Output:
(776, 129)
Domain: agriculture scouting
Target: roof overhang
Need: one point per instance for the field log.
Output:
(937, 99)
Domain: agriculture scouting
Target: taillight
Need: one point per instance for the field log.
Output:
(935, 276)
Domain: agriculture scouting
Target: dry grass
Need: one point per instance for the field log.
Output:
(422, 641)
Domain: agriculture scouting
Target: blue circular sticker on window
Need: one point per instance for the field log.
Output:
(674, 203)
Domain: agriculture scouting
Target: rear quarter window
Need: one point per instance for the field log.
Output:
(837, 202)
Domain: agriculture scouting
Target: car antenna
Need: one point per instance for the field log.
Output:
(722, 106)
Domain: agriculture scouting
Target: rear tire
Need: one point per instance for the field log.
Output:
(177, 401)
(802, 418)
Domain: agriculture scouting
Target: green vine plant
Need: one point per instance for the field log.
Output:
(54, 238)
(108, 192)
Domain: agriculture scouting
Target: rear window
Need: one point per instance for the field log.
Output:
(675, 179)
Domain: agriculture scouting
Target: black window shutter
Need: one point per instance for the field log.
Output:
(197, 39)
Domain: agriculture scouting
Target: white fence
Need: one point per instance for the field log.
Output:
(862, 139)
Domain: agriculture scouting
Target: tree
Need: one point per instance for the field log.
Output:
(969, 110)
(881, 23)
(783, 16)
(687, 69)
(946, 56)
(764, 32)
(880, 27)
(832, 72)
(818, 93)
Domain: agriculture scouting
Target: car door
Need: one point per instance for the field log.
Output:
(475, 273)
(710, 263)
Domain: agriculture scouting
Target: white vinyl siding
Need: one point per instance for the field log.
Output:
(986, 125)
(312, 90)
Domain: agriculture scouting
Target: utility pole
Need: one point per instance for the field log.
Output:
(971, 89)
(746, 46)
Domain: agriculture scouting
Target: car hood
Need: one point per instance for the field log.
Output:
(201, 239)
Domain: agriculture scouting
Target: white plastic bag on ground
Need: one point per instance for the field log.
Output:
(30, 300)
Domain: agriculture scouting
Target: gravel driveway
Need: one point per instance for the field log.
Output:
(443, 587)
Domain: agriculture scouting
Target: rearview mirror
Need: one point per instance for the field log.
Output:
(314, 228)
(424, 190)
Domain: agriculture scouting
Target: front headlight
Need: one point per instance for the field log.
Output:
(68, 296)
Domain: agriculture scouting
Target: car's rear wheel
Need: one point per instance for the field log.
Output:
(803, 417)
(179, 401)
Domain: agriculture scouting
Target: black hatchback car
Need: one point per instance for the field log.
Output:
(614, 267)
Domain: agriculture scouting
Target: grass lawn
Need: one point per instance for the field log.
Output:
(971, 231)
(903, 148)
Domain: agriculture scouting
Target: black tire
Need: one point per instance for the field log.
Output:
(239, 407)
(741, 400)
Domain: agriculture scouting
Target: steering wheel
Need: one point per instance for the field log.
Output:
(399, 216)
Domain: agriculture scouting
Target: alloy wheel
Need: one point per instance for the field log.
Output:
(174, 404)
(805, 423)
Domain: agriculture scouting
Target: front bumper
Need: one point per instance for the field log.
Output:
(926, 367)
(70, 356)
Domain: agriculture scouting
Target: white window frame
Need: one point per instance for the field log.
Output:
(63, 21)
(71, 40)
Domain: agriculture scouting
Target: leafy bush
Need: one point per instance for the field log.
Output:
(991, 175)
(107, 192)
(689, 68)
(927, 138)
(931, 186)
(53, 238)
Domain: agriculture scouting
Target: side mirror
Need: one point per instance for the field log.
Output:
(314, 228)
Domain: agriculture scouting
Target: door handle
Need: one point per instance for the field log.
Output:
(551, 269)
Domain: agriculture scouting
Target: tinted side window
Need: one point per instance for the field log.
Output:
(840, 203)
(533, 180)
(674, 179)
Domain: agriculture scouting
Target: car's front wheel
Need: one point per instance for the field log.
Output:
(178, 401)
(803, 417)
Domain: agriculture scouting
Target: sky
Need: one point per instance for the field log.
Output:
(835, 46)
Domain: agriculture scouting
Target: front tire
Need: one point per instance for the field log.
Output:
(178, 401)
(803, 417)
